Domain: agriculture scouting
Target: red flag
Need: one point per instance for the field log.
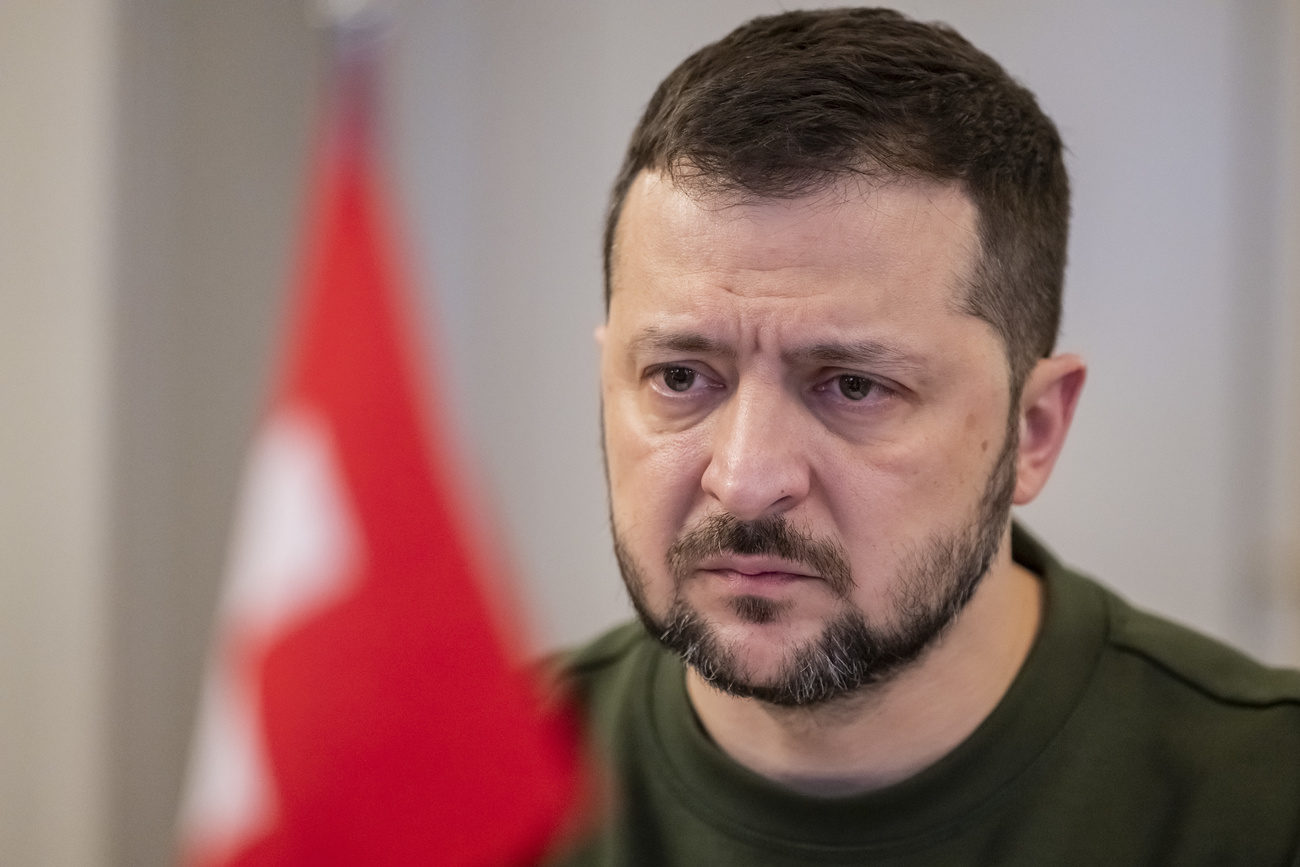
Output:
(364, 705)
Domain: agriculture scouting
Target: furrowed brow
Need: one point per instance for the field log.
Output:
(863, 352)
(656, 340)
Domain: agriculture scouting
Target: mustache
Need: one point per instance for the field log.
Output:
(772, 535)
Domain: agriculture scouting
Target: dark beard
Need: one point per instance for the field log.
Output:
(937, 581)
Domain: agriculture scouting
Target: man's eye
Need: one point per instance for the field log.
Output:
(678, 378)
(855, 387)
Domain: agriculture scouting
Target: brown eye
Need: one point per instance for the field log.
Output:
(679, 378)
(855, 387)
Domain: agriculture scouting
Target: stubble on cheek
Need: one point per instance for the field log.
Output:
(635, 581)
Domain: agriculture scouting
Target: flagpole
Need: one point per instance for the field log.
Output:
(334, 13)
(358, 33)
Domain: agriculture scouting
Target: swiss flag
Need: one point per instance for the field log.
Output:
(365, 704)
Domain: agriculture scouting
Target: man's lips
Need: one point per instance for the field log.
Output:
(744, 569)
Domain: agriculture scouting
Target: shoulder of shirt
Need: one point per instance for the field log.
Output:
(603, 651)
(1221, 673)
(606, 649)
(1206, 665)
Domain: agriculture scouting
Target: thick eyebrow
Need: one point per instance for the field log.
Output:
(656, 340)
(869, 353)
(864, 353)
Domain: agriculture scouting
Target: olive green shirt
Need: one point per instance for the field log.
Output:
(1124, 740)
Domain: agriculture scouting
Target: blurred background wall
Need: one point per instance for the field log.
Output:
(152, 161)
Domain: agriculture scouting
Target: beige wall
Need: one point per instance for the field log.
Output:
(215, 103)
(56, 183)
(1285, 512)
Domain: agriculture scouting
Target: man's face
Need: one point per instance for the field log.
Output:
(807, 440)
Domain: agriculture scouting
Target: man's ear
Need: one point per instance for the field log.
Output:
(1047, 405)
(599, 334)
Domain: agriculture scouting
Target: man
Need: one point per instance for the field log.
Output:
(834, 259)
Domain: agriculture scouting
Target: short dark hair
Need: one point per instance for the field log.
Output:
(788, 104)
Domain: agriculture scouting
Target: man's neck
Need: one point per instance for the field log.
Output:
(890, 732)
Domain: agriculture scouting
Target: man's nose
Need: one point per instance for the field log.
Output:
(759, 462)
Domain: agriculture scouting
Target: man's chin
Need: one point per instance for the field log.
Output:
(763, 653)
(772, 668)
(764, 681)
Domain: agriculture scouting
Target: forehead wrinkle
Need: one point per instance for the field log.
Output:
(655, 338)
